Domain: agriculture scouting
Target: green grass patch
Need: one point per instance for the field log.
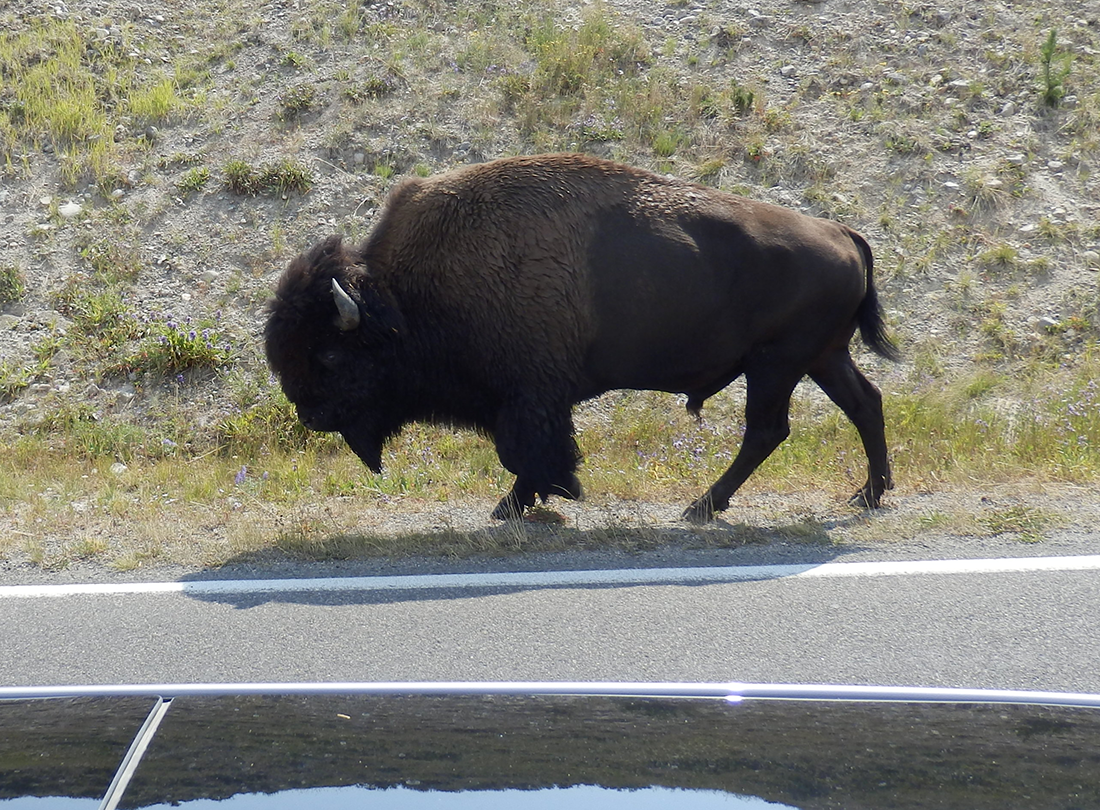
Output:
(1054, 69)
(168, 347)
(13, 284)
(155, 102)
(194, 179)
(297, 100)
(113, 258)
(101, 316)
(14, 378)
(644, 446)
(66, 88)
(282, 176)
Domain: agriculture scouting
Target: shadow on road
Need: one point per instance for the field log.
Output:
(353, 567)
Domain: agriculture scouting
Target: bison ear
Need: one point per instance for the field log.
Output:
(347, 311)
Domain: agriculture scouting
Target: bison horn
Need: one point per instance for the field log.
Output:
(346, 308)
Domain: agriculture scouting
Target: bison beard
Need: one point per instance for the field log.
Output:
(499, 295)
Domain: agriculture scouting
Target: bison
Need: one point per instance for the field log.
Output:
(498, 295)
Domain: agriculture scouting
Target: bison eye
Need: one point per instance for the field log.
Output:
(330, 359)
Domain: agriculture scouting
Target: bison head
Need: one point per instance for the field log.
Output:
(331, 337)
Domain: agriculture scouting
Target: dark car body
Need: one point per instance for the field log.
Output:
(547, 746)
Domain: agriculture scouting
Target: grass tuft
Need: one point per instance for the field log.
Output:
(13, 284)
(1054, 70)
(194, 179)
(282, 176)
(167, 347)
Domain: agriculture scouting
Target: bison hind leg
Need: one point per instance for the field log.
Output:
(861, 402)
(767, 404)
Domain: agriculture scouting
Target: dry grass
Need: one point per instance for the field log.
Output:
(643, 453)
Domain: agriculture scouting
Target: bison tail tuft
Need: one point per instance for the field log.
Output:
(869, 317)
(872, 327)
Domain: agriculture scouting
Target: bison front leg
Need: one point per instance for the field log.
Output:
(537, 445)
(766, 426)
(523, 494)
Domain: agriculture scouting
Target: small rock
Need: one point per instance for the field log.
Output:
(70, 210)
(1091, 259)
(787, 70)
(118, 468)
(208, 276)
(1009, 109)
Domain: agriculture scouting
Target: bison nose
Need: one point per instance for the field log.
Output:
(317, 417)
(309, 417)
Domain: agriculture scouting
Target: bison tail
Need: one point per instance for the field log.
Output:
(872, 325)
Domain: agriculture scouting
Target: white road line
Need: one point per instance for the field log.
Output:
(551, 579)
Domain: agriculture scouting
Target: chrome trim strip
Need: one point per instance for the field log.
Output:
(729, 691)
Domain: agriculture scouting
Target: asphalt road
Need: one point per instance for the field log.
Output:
(791, 621)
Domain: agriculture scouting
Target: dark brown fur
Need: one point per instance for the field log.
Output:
(499, 295)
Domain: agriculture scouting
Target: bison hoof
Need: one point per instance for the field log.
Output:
(700, 512)
(509, 508)
(865, 499)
